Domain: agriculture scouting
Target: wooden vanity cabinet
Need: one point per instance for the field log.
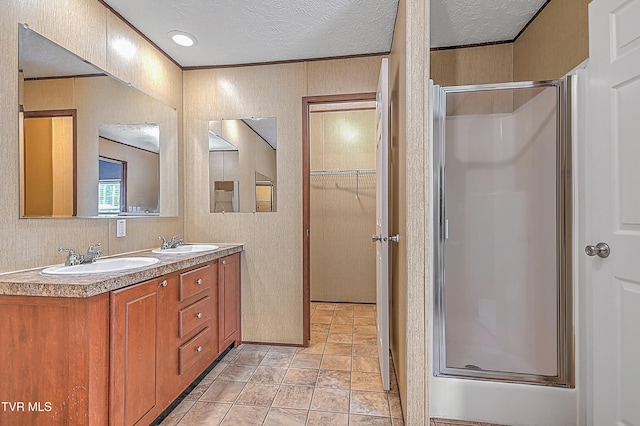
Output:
(229, 300)
(120, 357)
(55, 360)
(135, 325)
(187, 341)
(164, 333)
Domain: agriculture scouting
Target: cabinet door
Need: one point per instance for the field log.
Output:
(229, 300)
(134, 321)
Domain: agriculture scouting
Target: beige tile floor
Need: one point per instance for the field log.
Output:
(335, 381)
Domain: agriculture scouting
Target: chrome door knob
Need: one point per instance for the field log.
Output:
(601, 250)
(375, 238)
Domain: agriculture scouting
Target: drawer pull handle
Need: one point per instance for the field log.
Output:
(199, 349)
(199, 315)
(199, 281)
(163, 283)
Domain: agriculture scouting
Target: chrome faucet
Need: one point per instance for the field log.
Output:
(173, 243)
(89, 257)
(72, 258)
(92, 253)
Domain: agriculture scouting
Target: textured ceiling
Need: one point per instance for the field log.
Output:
(145, 136)
(252, 31)
(461, 22)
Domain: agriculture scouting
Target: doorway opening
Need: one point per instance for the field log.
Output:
(48, 163)
(338, 191)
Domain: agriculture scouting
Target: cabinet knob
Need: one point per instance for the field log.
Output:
(199, 315)
(199, 281)
(199, 349)
(163, 283)
(224, 262)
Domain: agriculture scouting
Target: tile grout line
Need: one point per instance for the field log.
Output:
(316, 382)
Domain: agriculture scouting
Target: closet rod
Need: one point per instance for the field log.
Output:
(342, 172)
(356, 172)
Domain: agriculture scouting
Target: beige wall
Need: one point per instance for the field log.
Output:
(272, 264)
(343, 207)
(472, 65)
(555, 43)
(410, 170)
(85, 28)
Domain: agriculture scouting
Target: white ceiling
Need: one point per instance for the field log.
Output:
(462, 22)
(145, 136)
(233, 32)
(252, 31)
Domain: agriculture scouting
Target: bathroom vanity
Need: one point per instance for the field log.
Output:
(115, 348)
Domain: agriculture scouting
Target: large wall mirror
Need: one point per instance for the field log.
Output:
(90, 145)
(242, 165)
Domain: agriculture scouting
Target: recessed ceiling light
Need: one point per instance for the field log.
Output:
(182, 38)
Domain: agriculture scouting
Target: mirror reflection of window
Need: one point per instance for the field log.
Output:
(112, 186)
(137, 146)
(48, 163)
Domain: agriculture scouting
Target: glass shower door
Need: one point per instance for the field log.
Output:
(501, 291)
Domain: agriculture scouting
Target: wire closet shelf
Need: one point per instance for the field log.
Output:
(351, 172)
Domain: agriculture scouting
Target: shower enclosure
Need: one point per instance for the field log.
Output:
(502, 294)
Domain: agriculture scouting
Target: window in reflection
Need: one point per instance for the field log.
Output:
(112, 186)
(137, 146)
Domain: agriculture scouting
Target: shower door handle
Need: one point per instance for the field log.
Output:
(601, 250)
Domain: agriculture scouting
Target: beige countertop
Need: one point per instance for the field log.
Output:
(32, 282)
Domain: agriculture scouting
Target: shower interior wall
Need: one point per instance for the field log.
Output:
(501, 297)
(343, 206)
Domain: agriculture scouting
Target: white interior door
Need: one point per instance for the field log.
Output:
(381, 237)
(613, 211)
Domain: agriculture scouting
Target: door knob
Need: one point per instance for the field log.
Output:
(601, 250)
(375, 238)
(395, 238)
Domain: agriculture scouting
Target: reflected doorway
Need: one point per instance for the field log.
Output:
(48, 163)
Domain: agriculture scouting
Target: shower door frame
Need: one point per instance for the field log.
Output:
(565, 346)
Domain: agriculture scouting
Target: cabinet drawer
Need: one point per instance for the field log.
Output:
(196, 349)
(195, 281)
(193, 316)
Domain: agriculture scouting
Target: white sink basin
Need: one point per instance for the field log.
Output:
(101, 266)
(187, 248)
